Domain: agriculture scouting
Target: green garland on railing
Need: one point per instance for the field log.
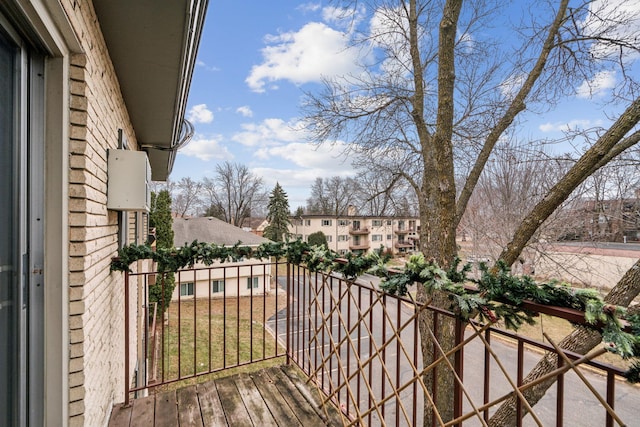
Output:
(499, 295)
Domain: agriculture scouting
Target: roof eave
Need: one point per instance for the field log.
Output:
(153, 46)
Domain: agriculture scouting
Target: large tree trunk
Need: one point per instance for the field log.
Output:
(581, 341)
(439, 229)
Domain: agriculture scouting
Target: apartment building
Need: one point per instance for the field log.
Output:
(361, 234)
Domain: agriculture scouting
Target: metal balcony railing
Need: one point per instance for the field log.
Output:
(361, 349)
(357, 231)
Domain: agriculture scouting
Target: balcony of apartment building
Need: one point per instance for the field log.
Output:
(358, 243)
(403, 244)
(362, 246)
(358, 229)
(318, 349)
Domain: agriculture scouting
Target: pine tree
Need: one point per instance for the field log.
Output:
(160, 218)
(278, 216)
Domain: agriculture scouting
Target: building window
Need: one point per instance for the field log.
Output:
(343, 222)
(389, 237)
(343, 238)
(217, 286)
(329, 238)
(342, 251)
(400, 225)
(307, 222)
(186, 289)
(388, 222)
(377, 223)
(326, 222)
(376, 237)
(252, 282)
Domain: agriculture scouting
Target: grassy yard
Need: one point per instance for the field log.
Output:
(203, 337)
(557, 329)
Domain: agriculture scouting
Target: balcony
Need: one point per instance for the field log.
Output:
(352, 358)
(362, 246)
(358, 231)
(406, 245)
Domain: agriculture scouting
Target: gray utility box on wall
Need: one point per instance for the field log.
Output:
(129, 177)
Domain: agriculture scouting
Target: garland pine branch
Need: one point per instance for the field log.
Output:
(499, 295)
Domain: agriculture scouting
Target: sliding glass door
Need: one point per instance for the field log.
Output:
(9, 260)
(21, 231)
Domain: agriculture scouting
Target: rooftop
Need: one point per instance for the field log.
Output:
(212, 230)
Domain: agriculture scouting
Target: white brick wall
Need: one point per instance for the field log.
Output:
(96, 307)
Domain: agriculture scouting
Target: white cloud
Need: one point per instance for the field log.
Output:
(597, 86)
(510, 87)
(307, 55)
(200, 114)
(613, 20)
(309, 163)
(206, 148)
(309, 7)
(327, 157)
(204, 65)
(572, 126)
(245, 111)
(269, 132)
(344, 17)
(385, 34)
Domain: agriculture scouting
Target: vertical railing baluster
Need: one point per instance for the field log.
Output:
(384, 355)
(289, 307)
(264, 310)
(397, 385)
(416, 344)
(359, 377)
(560, 396)
(179, 322)
(209, 317)
(195, 309)
(459, 368)
(487, 375)
(519, 381)
(251, 313)
(126, 338)
(434, 384)
(611, 396)
(165, 343)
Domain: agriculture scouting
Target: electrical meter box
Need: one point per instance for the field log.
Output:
(129, 179)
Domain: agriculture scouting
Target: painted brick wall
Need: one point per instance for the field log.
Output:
(96, 307)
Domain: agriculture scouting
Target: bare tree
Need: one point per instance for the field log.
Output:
(186, 200)
(381, 193)
(442, 91)
(332, 196)
(233, 192)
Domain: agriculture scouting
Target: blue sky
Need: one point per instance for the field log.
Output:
(252, 69)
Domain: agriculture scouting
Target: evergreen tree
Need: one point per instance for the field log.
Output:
(160, 218)
(317, 239)
(278, 215)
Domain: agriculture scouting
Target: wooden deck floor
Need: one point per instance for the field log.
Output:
(275, 396)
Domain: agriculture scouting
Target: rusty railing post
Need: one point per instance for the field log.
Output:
(458, 363)
(126, 338)
(288, 349)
